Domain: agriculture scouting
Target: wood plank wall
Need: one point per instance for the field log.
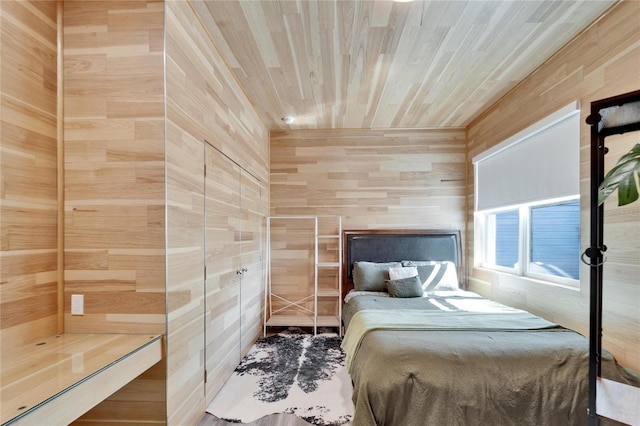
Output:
(114, 161)
(374, 179)
(254, 205)
(114, 165)
(28, 193)
(601, 62)
(227, 118)
(204, 102)
(114, 184)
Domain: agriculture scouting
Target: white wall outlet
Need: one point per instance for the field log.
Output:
(77, 304)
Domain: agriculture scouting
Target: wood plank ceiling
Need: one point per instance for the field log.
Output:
(381, 64)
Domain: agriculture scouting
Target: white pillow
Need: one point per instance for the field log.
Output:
(435, 275)
(404, 272)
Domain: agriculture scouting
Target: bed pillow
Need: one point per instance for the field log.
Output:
(405, 287)
(435, 275)
(403, 272)
(371, 276)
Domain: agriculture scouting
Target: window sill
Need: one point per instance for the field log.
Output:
(532, 280)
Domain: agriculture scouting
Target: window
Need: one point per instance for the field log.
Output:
(503, 236)
(554, 247)
(527, 201)
(539, 241)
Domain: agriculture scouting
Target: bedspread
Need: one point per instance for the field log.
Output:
(367, 320)
(466, 368)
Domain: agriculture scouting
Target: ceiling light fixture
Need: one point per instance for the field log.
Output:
(288, 119)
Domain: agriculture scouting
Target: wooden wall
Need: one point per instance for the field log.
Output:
(225, 116)
(123, 175)
(185, 239)
(28, 193)
(601, 62)
(114, 184)
(372, 178)
(204, 102)
(114, 165)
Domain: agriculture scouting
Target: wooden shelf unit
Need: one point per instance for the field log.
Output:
(306, 316)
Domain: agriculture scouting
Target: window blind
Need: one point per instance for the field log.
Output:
(540, 163)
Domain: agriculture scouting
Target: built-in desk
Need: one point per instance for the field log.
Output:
(56, 380)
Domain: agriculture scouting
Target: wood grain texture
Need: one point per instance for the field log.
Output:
(114, 164)
(80, 370)
(254, 204)
(150, 406)
(234, 239)
(604, 61)
(204, 102)
(372, 178)
(186, 220)
(60, 159)
(223, 251)
(381, 64)
(208, 92)
(28, 170)
(115, 155)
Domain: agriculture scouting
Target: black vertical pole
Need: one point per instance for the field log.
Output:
(594, 252)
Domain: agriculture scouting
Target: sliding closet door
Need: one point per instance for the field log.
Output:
(253, 208)
(222, 251)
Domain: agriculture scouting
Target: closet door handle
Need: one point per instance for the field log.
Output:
(244, 269)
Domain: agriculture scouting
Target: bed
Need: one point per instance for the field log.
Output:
(421, 350)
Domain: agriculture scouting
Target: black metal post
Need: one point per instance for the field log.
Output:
(594, 253)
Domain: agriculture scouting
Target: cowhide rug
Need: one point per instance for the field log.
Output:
(292, 373)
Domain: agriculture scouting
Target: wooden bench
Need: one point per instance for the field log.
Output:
(57, 380)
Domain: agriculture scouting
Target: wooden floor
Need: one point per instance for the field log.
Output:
(272, 420)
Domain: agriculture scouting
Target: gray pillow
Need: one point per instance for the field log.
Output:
(371, 276)
(405, 287)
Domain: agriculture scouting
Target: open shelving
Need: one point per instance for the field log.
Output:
(321, 238)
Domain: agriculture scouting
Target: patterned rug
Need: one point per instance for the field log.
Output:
(291, 373)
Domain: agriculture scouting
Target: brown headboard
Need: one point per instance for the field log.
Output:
(397, 245)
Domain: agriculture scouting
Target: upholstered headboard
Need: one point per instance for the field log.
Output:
(398, 245)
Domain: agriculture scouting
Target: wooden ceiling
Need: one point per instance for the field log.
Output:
(381, 64)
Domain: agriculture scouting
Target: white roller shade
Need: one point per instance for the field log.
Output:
(540, 163)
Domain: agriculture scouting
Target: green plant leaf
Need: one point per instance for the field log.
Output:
(622, 177)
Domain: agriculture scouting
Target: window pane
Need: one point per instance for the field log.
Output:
(555, 240)
(506, 238)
